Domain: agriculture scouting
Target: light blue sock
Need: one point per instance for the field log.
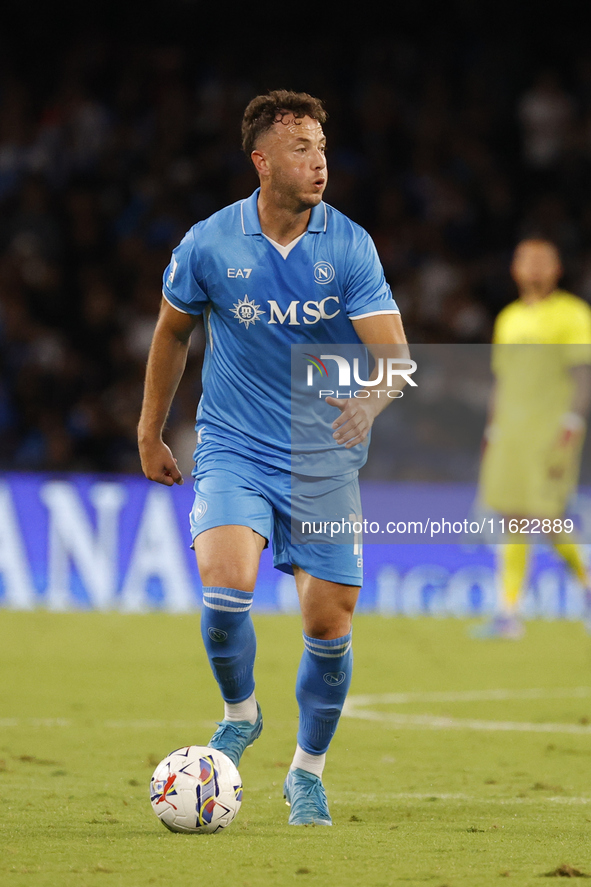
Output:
(322, 684)
(230, 640)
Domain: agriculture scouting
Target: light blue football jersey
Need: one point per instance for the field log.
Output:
(256, 305)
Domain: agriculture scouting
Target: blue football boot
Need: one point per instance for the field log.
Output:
(232, 737)
(305, 794)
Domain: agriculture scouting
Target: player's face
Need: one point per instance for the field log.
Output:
(294, 161)
(536, 265)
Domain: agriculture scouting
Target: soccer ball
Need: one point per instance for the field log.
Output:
(196, 790)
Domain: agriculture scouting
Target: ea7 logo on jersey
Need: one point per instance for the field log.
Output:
(240, 272)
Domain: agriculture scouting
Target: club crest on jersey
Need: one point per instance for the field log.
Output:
(246, 312)
(323, 272)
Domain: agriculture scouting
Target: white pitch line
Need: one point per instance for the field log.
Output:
(152, 725)
(35, 722)
(471, 695)
(435, 722)
(357, 707)
(110, 725)
(344, 796)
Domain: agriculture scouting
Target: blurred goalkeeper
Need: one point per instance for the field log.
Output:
(537, 420)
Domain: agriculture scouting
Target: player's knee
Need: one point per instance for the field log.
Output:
(228, 557)
(329, 626)
(223, 572)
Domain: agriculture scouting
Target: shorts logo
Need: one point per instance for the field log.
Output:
(217, 635)
(334, 678)
(323, 272)
(199, 509)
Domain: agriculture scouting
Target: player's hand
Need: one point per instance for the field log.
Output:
(354, 423)
(484, 443)
(488, 434)
(572, 428)
(159, 464)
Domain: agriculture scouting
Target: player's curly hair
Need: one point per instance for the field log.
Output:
(264, 110)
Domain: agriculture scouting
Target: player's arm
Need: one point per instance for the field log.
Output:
(488, 432)
(166, 364)
(574, 422)
(581, 402)
(384, 336)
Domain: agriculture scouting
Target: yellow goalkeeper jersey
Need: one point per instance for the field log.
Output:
(524, 469)
(559, 319)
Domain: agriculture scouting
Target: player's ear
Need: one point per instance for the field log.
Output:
(513, 268)
(560, 269)
(261, 164)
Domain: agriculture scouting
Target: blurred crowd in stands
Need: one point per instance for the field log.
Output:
(105, 163)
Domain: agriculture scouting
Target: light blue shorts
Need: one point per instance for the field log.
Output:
(233, 489)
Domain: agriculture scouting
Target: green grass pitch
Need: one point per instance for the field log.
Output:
(465, 762)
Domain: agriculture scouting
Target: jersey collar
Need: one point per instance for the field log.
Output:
(249, 216)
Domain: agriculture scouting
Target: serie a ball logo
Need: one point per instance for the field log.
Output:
(196, 790)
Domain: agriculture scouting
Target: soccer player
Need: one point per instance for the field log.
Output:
(537, 418)
(278, 268)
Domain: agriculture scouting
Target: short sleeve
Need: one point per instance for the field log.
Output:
(576, 334)
(180, 285)
(578, 324)
(366, 289)
(499, 334)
